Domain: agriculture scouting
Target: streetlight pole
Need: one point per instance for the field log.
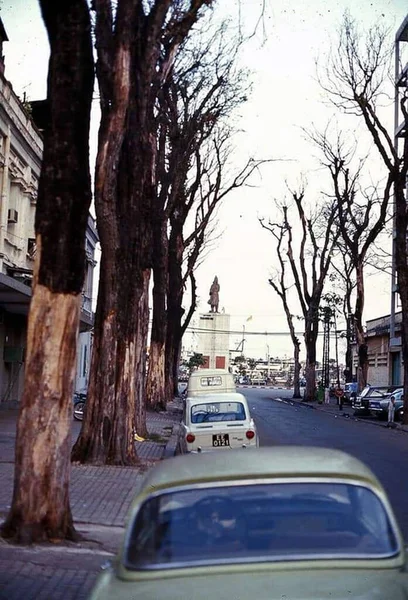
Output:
(268, 359)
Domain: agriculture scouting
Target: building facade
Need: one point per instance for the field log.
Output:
(21, 148)
(384, 366)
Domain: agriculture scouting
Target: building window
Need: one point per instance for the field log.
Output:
(84, 361)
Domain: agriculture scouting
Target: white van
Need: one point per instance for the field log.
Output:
(216, 422)
(210, 381)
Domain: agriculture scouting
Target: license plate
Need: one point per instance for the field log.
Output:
(220, 439)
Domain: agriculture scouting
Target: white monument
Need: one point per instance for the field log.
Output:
(214, 330)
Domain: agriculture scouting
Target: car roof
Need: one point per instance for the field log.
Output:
(205, 398)
(260, 463)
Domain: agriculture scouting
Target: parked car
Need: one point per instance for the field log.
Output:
(216, 422)
(350, 392)
(79, 400)
(380, 407)
(277, 522)
(258, 380)
(370, 396)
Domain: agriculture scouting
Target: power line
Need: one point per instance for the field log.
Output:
(240, 332)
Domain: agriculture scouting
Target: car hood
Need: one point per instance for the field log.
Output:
(336, 584)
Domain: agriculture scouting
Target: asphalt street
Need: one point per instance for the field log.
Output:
(384, 450)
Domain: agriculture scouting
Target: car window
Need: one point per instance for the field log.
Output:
(364, 392)
(263, 522)
(217, 411)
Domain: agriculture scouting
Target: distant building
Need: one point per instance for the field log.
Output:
(384, 360)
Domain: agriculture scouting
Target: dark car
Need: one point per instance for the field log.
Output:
(380, 408)
(369, 398)
(79, 400)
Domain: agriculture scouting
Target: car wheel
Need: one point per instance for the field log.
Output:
(79, 411)
(398, 414)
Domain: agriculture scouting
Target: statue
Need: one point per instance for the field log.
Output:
(214, 297)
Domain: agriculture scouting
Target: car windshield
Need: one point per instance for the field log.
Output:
(262, 522)
(217, 411)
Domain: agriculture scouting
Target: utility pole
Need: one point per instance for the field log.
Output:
(337, 352)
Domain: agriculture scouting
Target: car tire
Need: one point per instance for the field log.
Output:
(79, 411)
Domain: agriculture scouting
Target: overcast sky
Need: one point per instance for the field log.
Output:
(285, 99)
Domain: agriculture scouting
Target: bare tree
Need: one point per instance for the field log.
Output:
(40, 507)
(282, 288)
(354, 79)
(344, 283)
(136, 46)
(209, 184)
(309, 263)
(361, 216)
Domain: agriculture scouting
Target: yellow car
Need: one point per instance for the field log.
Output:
(285, 522)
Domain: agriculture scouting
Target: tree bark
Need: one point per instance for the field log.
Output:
(174, 307)
(40, 508)
(311, 332)
(156, 381)
(296, 373)
(362, 375)
(401, 225)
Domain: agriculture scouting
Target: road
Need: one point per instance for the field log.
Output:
(385, 451)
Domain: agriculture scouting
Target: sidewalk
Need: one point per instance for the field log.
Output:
(347, 411)
(99, 497)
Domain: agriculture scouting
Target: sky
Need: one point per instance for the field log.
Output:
(286, 98)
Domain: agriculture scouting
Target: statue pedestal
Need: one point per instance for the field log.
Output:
(213, 339)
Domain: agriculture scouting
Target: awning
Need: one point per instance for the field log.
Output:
(15, 298)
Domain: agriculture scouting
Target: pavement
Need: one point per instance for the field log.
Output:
(99, 497)
(346, 411)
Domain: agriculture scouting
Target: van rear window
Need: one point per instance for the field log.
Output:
(218, 411)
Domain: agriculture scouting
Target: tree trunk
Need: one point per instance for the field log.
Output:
(362, 374)
(296, 374)
(40, 508)
(311, 332)
(174, 309)
(119, 353)
(156, 382)
(116, 397)
(401, 224)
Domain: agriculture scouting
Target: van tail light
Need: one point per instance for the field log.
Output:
(250, 434)
(190, 438)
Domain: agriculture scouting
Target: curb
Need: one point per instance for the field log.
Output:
(171, 446)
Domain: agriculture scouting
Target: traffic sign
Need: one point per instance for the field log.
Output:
(339, 392)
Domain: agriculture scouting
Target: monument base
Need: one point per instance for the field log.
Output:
(213, 341)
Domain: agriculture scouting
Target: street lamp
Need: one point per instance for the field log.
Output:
(267, 360)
